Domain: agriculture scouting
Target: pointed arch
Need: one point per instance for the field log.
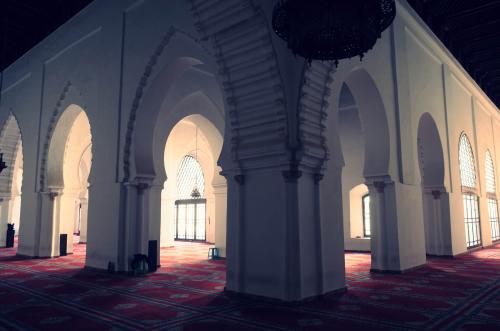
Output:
(57, 146)
(69, 96)
(373, 118)
(154, 84)
(467, 163)
(11, 147)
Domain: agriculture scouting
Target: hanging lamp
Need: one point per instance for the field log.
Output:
(195, 193)
(330, 30)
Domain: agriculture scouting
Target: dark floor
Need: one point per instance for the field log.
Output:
(186, 294)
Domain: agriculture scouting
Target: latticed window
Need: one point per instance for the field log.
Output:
(191, 202)
(366, 216)
(470, 199)
(492, 199)
(466, 159)
(189, 176)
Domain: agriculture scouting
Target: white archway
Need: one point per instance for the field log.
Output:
(182, 89)
(68, 169)
(11, 177)
(365, 152)
(194, 136)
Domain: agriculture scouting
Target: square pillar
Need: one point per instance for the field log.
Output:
(277, 244)
(47, 242)
(4, 219)
(437, 222)
(397, 229)
(84, 212)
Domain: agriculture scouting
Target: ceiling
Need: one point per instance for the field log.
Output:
(24, 23)
(471, 31)
(469, 28)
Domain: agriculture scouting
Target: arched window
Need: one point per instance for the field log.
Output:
(191, 202)
(366, 216)
(492, 198)
(466, 159)
(470, 199)
(189, 176)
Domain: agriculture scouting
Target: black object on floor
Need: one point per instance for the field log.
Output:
(63, 244)
(10, 235)
(153, 255)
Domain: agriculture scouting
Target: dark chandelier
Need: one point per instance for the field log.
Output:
(330, 30)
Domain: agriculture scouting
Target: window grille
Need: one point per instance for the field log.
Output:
(190, 223)
(189, 176)
(366, 216)
(471, 217)
(494, 222)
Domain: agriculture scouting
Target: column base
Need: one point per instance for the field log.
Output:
(396, 272)
(261, 298)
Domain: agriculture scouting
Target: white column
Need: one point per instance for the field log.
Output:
(279, 241)
(153, 222)
(84, 212)
(167, 219)
(220, 219)
(4, 218)
(48, 223)
(436, 207)
(397, 235)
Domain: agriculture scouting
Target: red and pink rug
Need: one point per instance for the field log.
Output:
(187, 294)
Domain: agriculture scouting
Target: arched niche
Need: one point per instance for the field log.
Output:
(430, 153)
(434, 194)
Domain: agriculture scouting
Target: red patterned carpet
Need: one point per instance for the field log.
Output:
(186, 294)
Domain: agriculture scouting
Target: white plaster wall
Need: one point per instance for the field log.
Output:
(431, 80)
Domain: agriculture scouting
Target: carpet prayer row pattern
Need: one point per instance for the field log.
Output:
(186, 293)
